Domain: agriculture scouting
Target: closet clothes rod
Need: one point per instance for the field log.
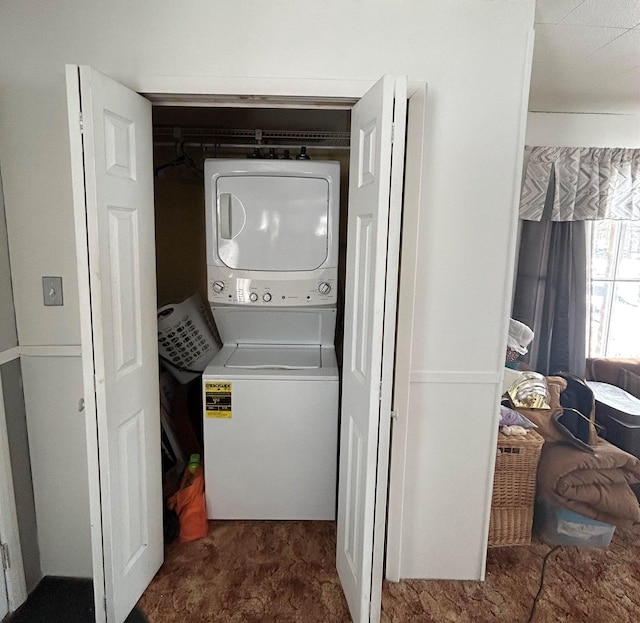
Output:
(251, 145)
(196, 137)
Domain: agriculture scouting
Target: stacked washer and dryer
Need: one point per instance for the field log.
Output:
(270, 395)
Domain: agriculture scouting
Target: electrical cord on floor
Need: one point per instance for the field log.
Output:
(544, 568)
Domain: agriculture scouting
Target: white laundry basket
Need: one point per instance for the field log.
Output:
(186, 338)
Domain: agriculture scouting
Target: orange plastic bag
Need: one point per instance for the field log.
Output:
(189, 504)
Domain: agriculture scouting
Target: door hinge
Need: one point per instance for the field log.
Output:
(394, 414)
(81, 119)
(6, 561)
(380, 392)
(393, 132)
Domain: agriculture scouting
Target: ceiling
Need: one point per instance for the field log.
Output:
(586, 56)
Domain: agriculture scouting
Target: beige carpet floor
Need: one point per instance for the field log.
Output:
(284, 572)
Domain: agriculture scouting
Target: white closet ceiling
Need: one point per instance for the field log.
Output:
(586, 56)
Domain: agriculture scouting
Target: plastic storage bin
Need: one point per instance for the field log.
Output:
(557, 525)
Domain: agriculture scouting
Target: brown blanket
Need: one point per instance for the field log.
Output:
(591, 479)
(596, 485)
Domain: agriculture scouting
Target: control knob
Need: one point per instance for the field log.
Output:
(266, 297)
(217, 286)
(253, 297)
(324, 288)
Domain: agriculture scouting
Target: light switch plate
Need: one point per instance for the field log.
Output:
(52, 290)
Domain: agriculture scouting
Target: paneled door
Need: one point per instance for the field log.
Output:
(112, 166)
(373, 232)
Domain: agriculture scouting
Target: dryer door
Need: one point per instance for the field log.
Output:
(272, 223)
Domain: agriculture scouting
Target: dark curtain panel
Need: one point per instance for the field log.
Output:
(551, 293)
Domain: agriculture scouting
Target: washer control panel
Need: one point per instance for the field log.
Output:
(232, 289)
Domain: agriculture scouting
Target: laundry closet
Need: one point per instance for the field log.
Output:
(271, 442)
(144, 253)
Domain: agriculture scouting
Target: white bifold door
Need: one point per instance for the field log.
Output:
(378, 124)
(112, 164)
(111, 158)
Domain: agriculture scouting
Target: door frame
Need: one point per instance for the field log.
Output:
(414, 181)
(9, 529)
(234, 92)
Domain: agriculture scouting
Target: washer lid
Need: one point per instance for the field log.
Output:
(269, 357)
(291, 326)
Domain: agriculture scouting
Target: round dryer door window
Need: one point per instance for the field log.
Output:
(272, 223)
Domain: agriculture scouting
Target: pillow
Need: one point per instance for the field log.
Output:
(630, 382)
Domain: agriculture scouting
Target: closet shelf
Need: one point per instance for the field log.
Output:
(210, 137)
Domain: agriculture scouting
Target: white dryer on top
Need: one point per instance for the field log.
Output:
(272, 232)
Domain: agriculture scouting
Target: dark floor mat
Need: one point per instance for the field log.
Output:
(62, 600)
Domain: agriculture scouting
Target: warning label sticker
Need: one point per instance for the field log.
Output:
(217, 400)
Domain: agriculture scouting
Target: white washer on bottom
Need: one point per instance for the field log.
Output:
(271, 432)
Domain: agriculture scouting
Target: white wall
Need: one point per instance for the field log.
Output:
(583, 130)
(60, 492)
(16, 422)
(472, 54)
(8, 335)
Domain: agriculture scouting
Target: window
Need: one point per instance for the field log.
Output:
(614, 323)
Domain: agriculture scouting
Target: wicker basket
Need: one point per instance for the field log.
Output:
(514, 489)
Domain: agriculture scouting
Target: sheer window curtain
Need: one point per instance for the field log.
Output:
(563, 188)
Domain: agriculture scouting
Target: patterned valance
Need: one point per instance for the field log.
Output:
(588, 184)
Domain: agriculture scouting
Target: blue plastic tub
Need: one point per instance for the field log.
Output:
(557, 525)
